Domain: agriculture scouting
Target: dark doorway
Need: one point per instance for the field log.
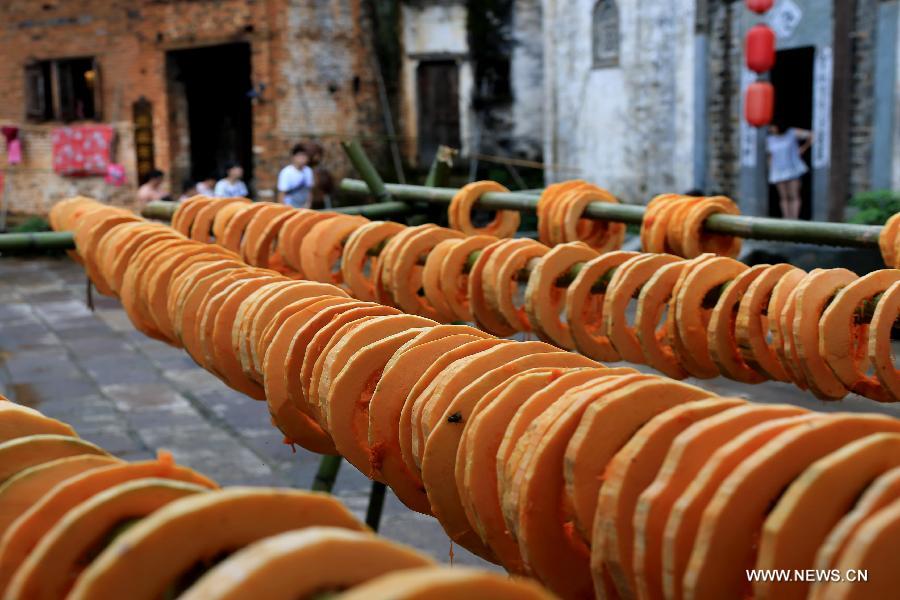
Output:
(438, 93)
(210, 111)
(792, 77)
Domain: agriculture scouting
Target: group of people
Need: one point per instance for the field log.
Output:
(301, 184)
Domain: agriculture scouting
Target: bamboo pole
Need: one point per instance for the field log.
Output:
(38, 240)
(756, 228)
(372, 180)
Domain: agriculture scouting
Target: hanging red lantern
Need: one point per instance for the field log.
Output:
(759, 103)
(759, 49)
(759, 6)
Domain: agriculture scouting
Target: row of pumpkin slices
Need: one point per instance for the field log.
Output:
(703, 317)
(78, 523)
(594, 480)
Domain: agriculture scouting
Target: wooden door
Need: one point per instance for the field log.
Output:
(438, 104)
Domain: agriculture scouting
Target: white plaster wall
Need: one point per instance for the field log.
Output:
(895, 171)
(434, 30)
(526, 78)
(631, 128)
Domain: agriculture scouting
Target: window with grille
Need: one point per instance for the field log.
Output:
(62, 90)
(605, 34)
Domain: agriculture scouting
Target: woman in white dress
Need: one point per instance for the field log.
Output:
(786, 165)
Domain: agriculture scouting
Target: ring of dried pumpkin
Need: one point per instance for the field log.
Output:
(504, 224)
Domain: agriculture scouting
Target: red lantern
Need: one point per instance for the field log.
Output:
(759, 103)
(759, 6)
(759, 49)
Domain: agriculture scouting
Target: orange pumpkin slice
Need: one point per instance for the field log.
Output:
(355, 256)
(754, 318)
(655, 332)
(202, 227)
(292, 233)
(873, 547)
(406, 274)
(114, 271)
(346, 405)
(489, 279)
(400, 375)
(502, 289)
(207, 526)
(186, 212)
(267, 567)
(489, 436)
(27, 531)
(420, 392)
(731, 521)
(381, 281)
(223, 218)
(887, 241)
(721, 335)
(685, 458)
(434, 583)
(233, 235)
(459, 213)
(219, 352)
(695, 241)
(547, 202)
(87, 238)
(188, 290)
(551, 550)
(431, 279)
(692, 316)
(687, 513)
(442, 443)
(584, 306)
(284, 358)
(429, 407)
(482, 314)
(654, 224)
(627, 474)
(881, 353)
(30, 450)
(359, 360)
(813, 294)
(259, 333)
(59, 558)
(261, 232)
(318, 345)
(675, 229)
(815, 502)
(544, 301)
(321, 247)
(454, 278)
(22, 490)
(602, 431)
(843, 340)
(602, 236)
(884, 490)
(17, 421)
(783, 337)
(194, 315)
(623, 287)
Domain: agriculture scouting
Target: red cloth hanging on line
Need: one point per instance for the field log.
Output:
(82, 150)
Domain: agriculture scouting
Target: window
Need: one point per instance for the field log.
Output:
(63, 90)
(605, 34)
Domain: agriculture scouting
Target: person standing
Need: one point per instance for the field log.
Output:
(296, 180)
(786, 165)
(206, 186)
(231, 185)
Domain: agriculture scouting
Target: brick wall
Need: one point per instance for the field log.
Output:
(313, 58)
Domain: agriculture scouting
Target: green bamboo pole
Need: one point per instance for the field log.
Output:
(327, 474)
(372, 180)
(38, 240)
(440, 167)
(162, 211)
(758, 228)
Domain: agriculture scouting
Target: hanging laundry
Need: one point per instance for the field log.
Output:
(13, 144)
(82, 150)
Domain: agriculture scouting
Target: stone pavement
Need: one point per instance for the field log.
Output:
(132, 395)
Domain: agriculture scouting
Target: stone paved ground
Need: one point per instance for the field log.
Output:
(132, 395)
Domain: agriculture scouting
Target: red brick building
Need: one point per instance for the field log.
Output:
(222, 80)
